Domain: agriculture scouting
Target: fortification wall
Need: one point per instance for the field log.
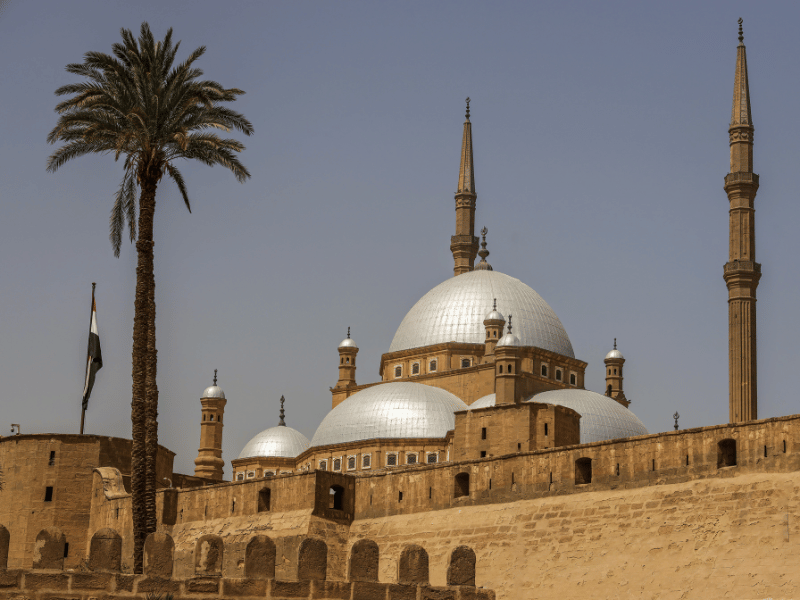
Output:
(728, 537)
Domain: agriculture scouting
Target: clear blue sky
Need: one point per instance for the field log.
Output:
(601, 144)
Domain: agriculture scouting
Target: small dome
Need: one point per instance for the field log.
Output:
(280, 441)
(347, 343)
(602, 418)
(399, 409)
(213, 391)
(614, 354)
(509, 339)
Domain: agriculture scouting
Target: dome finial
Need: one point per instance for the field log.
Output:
(483, 253)
(348, 333)
(509, 324)
(468, 96)
(741, 40)
(615, 343)
(494, 304)
(283, 412)
(215, 377)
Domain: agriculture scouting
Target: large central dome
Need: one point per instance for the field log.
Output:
(453, 311)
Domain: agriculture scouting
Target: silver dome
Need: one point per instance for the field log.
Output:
(508, 339)
(495, 315)
(454, 310)
(390, 410)
(615, 354)
(347, 343)
(276, 441)
(213, 391)
(602, 418)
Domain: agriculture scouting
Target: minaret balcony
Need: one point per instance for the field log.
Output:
(741, 177)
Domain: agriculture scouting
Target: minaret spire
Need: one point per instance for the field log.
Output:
(283, 413)
(742, 272)
(464, 244)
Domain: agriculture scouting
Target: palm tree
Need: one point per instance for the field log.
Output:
(137, 105)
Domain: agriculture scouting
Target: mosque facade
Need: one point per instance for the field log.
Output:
(477, 467)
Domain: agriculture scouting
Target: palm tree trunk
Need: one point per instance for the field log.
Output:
(141, 329)
(151, 411)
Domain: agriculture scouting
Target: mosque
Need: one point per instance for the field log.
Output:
(478, 467)
(444, 358)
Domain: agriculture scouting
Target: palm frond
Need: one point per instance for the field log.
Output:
(177, 177)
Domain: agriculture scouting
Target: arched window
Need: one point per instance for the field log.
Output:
(415, 369)
(323, 465)
(544, 370)
(347, 361)
(583, 471)
(264, 498)
(432, 366)
(336, 501)
(559, 375)
(495, 334)
(269, 473)
(351, 463)
(212, 418)
(465, 362)
(572, 379)
(411, 459)
(341, 361)
(398, 372)
(461, 487)
(510, 368)
(433, 458)
(391, 460)
(337, 464)
(501, 369)
(615, 371)
(366, 461)
(240, 477)
(726, 453)
(608, 391)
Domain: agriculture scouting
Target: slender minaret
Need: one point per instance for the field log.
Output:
(464, 244)
(347, 363)
(742, 272)
(209, 461)
(614, 362)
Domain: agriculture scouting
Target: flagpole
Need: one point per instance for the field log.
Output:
(83, 404)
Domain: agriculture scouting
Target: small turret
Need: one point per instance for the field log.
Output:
(614, 361)
(347, 363)
(493, 322)
(209, 461)
(507, 385)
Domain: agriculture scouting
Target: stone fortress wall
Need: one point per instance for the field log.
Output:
(554, 523)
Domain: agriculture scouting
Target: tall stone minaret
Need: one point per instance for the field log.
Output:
(742, 272)
(209, 461)
(464, 244)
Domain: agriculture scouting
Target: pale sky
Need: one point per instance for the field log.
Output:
(601, 144)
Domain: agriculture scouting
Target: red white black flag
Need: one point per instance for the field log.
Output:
(94, 360)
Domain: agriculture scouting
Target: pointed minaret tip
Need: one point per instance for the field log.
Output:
(741, 32)
(466, 171)
(283, 413)
(467, 115)
(740, 114)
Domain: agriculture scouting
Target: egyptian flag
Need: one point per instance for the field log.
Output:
(94, 360)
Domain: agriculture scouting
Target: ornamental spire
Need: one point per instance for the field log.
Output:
(215, 377)
(740, 114)
(466, 172)
(283, 412)
(483, 253)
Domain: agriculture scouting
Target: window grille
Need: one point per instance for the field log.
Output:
(251, 474)
(337, 464)
(391, 460)
(398, 371)
(433, 458)
(269, 473)
(432, 366)
(411, 459)
(415, 369)
(351, 463)
(323, 465)
(366, 461)
(465, 362)
(240, 477)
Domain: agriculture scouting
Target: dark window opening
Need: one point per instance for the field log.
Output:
(323, 465)
(617, 469)
(432, 366)
(366, 461)
(558, 375)
(48, 494)
(415, 369)
(430, 493)
(519, 446)
(615, 371)
(341, 361)
(512, 478)
(495, 334)
(461, 487)
(400, 497)
(465, 362)
(351, 463)
(572, 379)
(551, 477)
(545, 429)
(337, 464)
(726, 453)
(398, 371)
(336, 500)
(432, 458)
(544, 370)
(687, 460)
(66, 549)
(264, 500)
(411, 459)
(583, 471)
(483, 433)
(609, 371)
(654, 464)
(490, 484)
(510, 368)
(370, 499)
(211, 418)
(501, 369)
(348, 360)
(765, 452)
(391, 460)
(784, 446)
(483, 453)
(233, 505)
(608, 391)
(52, 460)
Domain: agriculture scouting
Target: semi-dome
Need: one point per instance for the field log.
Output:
(213, 391)
(602, 418)
(390, 410)
(276, 441)
(454, 311)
